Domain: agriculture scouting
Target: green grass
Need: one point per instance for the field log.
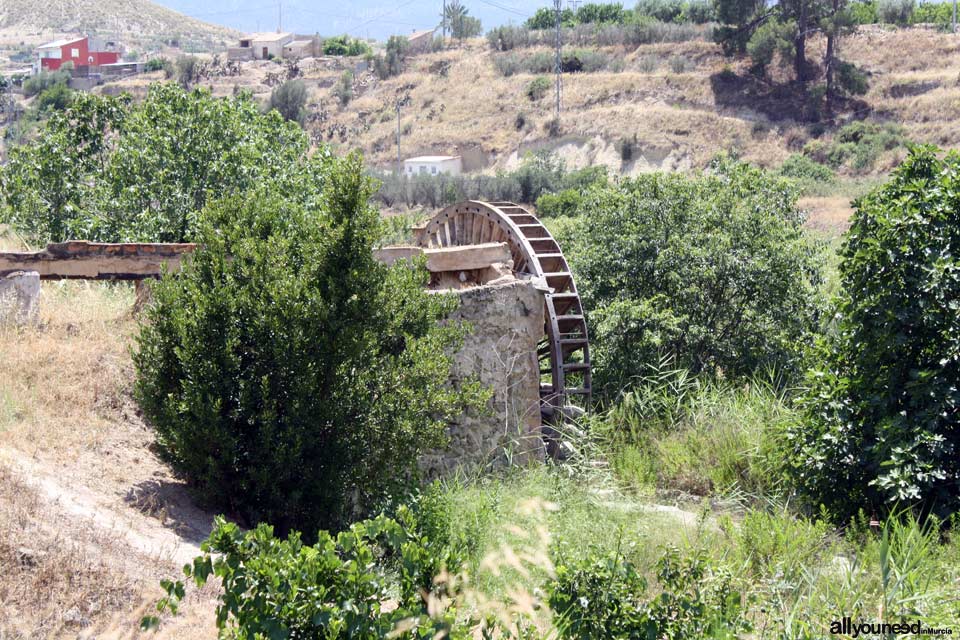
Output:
(680, 434)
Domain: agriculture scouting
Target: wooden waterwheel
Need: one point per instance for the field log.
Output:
(564, 351)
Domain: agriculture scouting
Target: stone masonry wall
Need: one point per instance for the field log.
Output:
(501, 351)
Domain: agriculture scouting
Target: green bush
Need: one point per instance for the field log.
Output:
(538, 87)
(882, 427)
(289, 99)
(112, 170)
(603, 598)
(806, 170)
(343, 90)
(938, 13)
(158, 64)
(44, 80)
(857, 145)
(895, 11)
(337, 588)
(714, 271)
(863, 12)
(563, 203)
(390, 63)
(289, 375)
(345, 46)
(56, 98)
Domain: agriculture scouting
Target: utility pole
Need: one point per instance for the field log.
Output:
(443, 20)
(559, 61)
(279, 17)
(953, 23)
(399, 166)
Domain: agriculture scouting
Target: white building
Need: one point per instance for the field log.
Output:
(261, 46)
(433, 165)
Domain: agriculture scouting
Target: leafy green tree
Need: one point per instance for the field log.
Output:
(188, 70)
(459, 22)
(546, 18)
(111, 170)
(343, 90)
(714, 271)
(345, 46)
(738, 20)
(289, 99)
(288, 374)
(56, 98)
(390, 63)
(607, 13)
(770, 38)
(882, 406)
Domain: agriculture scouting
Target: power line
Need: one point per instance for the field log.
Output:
(382, 15)
(512, 10)
(559, 61)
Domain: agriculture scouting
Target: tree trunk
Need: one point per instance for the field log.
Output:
(800, 44)
(828, 63)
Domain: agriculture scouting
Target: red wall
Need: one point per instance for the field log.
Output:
(82, 59)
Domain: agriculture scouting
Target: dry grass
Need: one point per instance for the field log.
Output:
(90, 520)
(678, 119)
(828, 214)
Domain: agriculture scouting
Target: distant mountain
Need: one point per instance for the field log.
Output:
(131, 21)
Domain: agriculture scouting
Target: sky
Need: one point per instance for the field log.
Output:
(361, 18)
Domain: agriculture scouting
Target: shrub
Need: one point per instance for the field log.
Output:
(520, 121)
(881, 427)
(289, 375)
(938, 13)
(553, 129)
(538, 87)
(188, 69)
(289, 99)
(283, 588)
(112, 170)
(156, 64)
(851, 80)
(390, 63)
(714, 271)
(564, 203)
(343, 90)
(43, 81)
(858, 144)
(678, 64)
(662, 10)
(864, 12)
(804, 169)
(345, 46)
(895, 11)
(56, 98)
(603, 599)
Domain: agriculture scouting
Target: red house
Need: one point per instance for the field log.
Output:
(53, 55)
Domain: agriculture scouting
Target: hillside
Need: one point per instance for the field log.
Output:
(138, 21)
(668, 106)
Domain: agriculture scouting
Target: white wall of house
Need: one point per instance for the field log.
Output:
(433, 165)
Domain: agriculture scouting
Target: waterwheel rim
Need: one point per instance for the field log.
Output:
(564, 351)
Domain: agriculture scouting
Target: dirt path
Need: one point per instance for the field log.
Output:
(142, 533)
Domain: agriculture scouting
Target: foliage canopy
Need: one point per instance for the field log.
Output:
(289, 375)
(110, 170)
(713, 271)
(882, 425)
